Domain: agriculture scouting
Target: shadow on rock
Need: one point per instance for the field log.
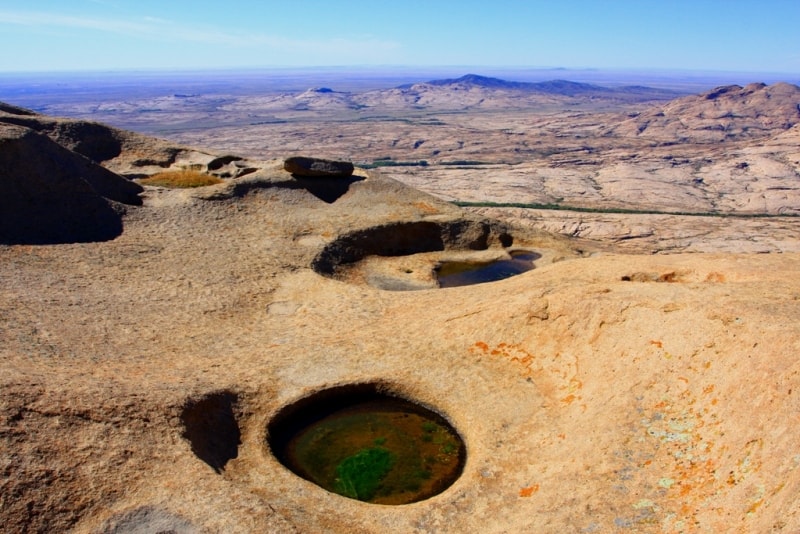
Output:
(327, 189)
(52, 195)
(212, 429)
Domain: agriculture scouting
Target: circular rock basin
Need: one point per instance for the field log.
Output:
(459, 273)
(368, 445)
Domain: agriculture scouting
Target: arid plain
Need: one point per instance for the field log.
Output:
(641, 378)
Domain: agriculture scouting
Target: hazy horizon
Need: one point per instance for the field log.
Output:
(24, 87)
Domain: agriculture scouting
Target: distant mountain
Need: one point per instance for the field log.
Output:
(552, 87)
(481, 81)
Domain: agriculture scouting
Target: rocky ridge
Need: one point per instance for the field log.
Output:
(722, 114)
(70, 180)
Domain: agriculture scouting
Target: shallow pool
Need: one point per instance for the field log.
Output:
(459, 273)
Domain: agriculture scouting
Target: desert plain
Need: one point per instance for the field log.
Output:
(641, 378)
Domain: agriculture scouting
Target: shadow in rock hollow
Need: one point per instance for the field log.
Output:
(212, 429)
(327, 189)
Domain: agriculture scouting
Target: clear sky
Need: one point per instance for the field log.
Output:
(710, 35)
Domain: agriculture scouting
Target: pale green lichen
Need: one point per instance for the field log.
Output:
(666, 482)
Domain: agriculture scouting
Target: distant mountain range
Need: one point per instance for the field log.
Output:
(655, 112)
(552, 87)
(473, 92)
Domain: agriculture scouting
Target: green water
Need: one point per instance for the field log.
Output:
(382, 451)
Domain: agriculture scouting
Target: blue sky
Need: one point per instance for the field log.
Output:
(709, 35)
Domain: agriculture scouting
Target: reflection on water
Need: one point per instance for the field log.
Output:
(459, 273)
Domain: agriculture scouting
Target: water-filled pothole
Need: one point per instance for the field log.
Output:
(462, 273)
(369, 445)
(405, 239)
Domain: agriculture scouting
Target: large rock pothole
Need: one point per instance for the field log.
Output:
(419, 245)
(367, 443)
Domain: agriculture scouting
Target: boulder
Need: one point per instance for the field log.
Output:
(318, 168)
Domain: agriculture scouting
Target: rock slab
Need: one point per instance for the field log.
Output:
(318, 168)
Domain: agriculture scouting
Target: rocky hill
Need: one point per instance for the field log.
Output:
(473, 91)
(140, 368)
(729, 152)
(722, 114)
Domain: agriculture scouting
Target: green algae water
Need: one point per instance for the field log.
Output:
(382, 450)
(458, 273)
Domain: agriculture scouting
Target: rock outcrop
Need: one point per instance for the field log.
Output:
(49, 194)
(64, 181)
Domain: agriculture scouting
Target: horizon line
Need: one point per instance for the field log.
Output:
(389, 68)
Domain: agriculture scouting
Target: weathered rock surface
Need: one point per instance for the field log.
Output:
(598, 392)
(318, 168)
(123, 152)
(661, 234)
(139, 375)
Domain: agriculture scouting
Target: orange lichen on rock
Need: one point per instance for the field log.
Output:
(693, 471)
(528, 491)
(559, 370)
(512, 353)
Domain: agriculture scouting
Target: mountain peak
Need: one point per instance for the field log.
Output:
(480, 81)
(552, 87)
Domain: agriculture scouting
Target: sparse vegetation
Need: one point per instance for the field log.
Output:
(181, 179)
(429, 426)
(390, 163)
(359, 476)
(467, 162)
(449, 448)
(563, 207)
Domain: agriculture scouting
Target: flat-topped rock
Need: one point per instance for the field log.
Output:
(318, 168)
